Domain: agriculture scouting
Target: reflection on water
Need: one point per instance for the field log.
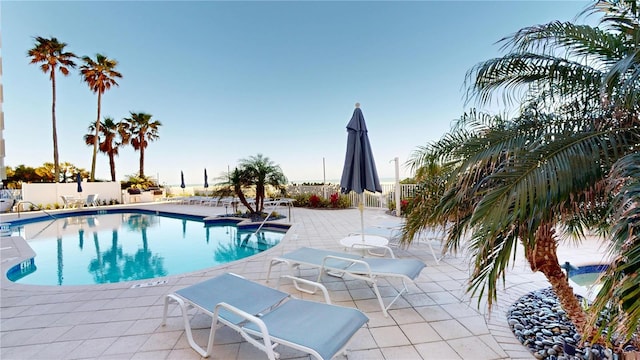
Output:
(133, 246)
(244, 243)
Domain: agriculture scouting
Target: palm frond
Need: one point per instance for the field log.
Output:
(572, 41)
(524, 71)
(621, 283)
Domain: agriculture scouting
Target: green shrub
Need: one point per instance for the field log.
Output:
(336, 201)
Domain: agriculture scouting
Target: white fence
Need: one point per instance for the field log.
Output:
(50, 193)
(375, 200)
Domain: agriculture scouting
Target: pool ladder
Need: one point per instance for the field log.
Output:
(21, 202)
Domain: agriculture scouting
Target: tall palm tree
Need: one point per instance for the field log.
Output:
(100, 75)
(261, 171)
(141, 130)
(530, 178)
(51, 55)
(108, 144)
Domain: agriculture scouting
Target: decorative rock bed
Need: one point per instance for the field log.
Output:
(539, 323)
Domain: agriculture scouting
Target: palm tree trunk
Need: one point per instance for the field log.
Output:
(543, 257)
(56, 163)
(95, 141)
(243, 200)
(141, 155)
(259, 197)
(112, 166)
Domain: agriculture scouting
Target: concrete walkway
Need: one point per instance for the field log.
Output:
(435, 320)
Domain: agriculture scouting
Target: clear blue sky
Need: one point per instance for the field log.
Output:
(233, 79)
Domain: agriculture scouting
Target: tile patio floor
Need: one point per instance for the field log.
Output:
(435, 320)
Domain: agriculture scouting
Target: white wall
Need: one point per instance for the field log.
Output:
(49, 193)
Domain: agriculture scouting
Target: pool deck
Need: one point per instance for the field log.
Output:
(435, 320)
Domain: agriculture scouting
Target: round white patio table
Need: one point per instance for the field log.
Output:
(370, 242)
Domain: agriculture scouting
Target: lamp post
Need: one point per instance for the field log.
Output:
(398, 208)
(324, 180)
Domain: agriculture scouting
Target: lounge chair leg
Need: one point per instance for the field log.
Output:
(377, 292)
(435, 257)
(187, 325)
(273, 262)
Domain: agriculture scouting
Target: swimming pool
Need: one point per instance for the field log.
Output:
(587, 275)
(117, 246)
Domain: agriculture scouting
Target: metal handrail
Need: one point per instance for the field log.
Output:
(277, 204)
(34, 205)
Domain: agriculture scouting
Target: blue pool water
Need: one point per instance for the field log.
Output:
(587, 275)
(124, 246)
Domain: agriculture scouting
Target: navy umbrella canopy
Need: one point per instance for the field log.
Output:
(359, 172)
(79, 181)
(206, 179)
(182, 180)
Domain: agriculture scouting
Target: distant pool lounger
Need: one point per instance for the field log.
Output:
(358, 267)
(266, 317)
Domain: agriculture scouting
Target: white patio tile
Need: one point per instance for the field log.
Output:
(405, 316)
(115, 328)
(91, 348)
(80, 332)
(401, 352)
(126, 344)
(365, 354)
(473, 347)
(377, 319)
(57, 350)
(389, 336)
(477, 325)
(450, 329)
(151, 355)
(161, 341)
(144, 326)
(433, 313)
(437, 350)
(420, 333)
(190, 354)
(443, 297)
(20, 352)
(362, 340)
(20, 337)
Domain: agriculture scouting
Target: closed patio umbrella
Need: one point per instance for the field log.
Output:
(79, 181)
(182, 185)
(359, 172)
(206, 180)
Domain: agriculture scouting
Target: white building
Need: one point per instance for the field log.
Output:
(3, 170)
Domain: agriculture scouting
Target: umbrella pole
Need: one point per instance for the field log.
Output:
(361, 208)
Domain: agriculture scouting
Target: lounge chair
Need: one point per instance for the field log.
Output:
(266, 317)
(71, 201)
(92, 200)
(358, 267)
(66, 201)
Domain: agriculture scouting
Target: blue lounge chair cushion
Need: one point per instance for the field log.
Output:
(245, 295)
(321, 327)
(410, 268)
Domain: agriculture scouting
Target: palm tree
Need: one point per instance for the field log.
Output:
(141, 130)
(107, 144)
(261, 171)
(100, 75)
(50, 53)
(240, 179)
(543, 173)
